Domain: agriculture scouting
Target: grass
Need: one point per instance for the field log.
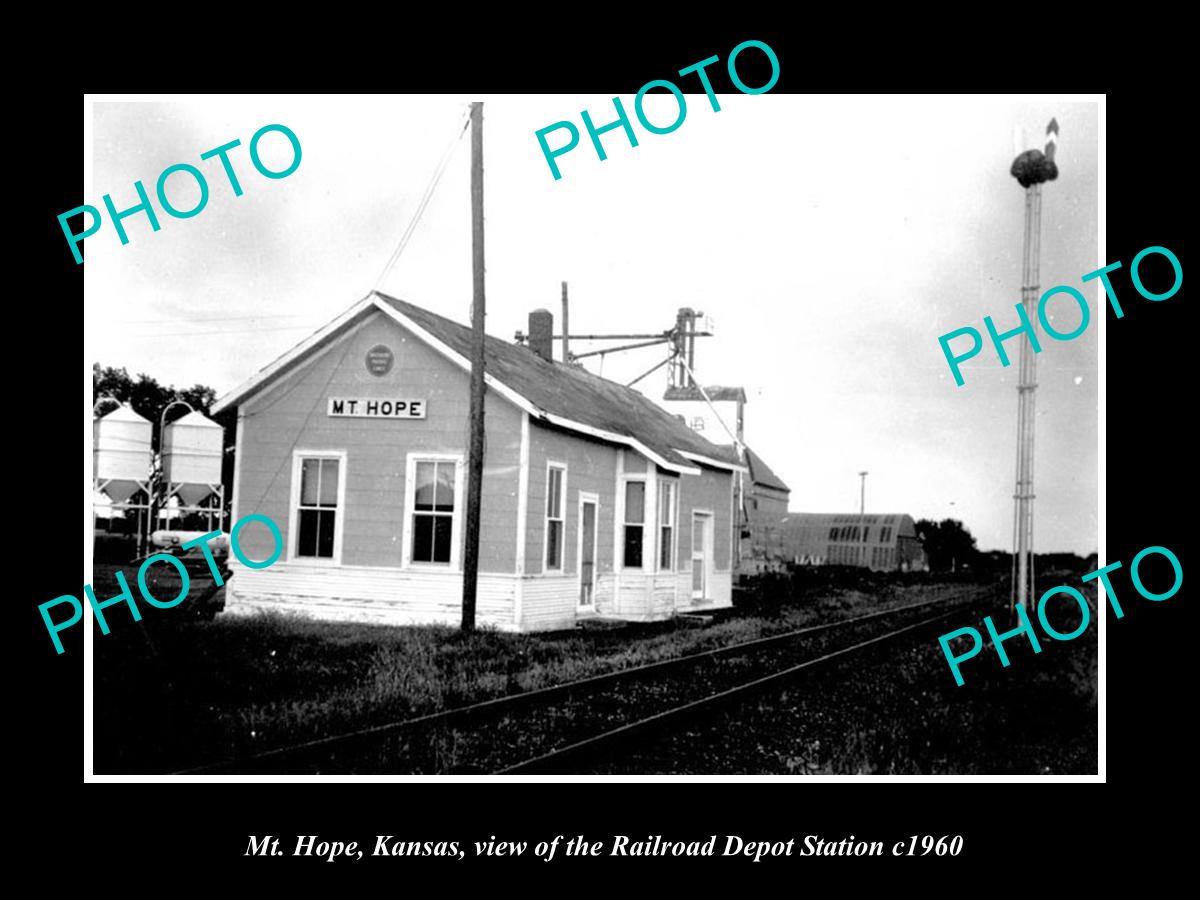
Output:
(896, 710)
(173, 692)
(905, 715)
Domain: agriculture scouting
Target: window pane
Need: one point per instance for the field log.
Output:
(445, 487)
(306, 545)
(422, 539)
(329, 482)
(633, 546)
(554, 494)
(664, 557)
(442, 530)
(666, 503)
(325, 525)
(310, 478)
(635, 502)
(866, 534)
(554, 545)
(423, 498)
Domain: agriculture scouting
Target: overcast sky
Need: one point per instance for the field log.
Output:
(830, 240)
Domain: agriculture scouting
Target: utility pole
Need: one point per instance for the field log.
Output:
(475, 458)
(1031, 168)
(862, 509)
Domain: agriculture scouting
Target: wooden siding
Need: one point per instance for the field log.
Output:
(370, 583)
(291, 415)
(548, 602)
(591, 468)
(711, 490)
(388, 596)
(635, 464)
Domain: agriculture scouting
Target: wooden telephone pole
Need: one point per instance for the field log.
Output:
(475, 458)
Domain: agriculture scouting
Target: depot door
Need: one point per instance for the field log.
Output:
(701, 554)
(587, 552)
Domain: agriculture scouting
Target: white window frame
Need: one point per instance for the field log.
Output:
(339, 520)
(674, 526)
(456, 521)
(561, 569)
(622, 523)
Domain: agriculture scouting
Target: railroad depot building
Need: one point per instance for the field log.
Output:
(596, 502)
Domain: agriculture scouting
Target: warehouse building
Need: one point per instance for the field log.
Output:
(596, 502)
(764, 546)
(887, 542)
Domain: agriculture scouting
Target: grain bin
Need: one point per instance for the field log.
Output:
(192, 449)
(121, 453)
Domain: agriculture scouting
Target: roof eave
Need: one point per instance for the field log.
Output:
(709, 461)
(522, 402)
(264, 376)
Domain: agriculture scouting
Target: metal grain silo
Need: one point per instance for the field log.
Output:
(192, 453)
(121, 453)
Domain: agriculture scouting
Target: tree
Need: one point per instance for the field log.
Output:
(948, 544)
(147, 397)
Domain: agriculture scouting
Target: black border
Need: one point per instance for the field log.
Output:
(203, 833)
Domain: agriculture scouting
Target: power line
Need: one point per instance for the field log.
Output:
(181, 321)
(227, 331)
(425, 198)
(287, 456)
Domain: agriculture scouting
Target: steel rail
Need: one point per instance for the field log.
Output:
(626, 729)
(514, 700)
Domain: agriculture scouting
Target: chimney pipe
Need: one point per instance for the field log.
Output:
(541, 333)
(566, 337)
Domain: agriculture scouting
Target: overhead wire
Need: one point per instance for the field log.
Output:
(425, 198)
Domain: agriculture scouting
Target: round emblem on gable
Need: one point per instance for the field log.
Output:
(380, 359)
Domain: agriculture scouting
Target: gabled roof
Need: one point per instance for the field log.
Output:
(760, 472)
(567, 396)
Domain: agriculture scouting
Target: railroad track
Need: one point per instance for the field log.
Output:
(555, 759)
(570, 720)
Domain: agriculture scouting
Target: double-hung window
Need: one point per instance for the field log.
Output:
(433, 509)
(635, 523)
(556, 484)
(316, 511)
(666, 524)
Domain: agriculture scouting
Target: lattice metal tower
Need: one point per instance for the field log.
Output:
(1031, 169)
